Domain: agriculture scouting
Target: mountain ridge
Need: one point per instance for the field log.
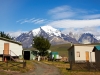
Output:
(55, 37)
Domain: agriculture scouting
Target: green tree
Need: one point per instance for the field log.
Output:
(42, 44)
(4, 35)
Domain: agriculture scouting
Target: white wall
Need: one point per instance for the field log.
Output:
(82, 50)
(17, 49)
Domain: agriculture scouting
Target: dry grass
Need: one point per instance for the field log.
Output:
(64, 68)
(8, 70)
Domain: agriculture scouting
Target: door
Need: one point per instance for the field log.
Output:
(87, 56)
(27, 55)
(6, 48)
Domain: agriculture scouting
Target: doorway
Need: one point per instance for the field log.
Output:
(6, 48)
(87, 56)
(27, 55)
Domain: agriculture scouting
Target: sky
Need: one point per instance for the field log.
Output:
(18, 16)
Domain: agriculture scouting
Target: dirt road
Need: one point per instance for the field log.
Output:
(43, 69)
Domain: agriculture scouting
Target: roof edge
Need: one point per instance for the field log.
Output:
(11, 41)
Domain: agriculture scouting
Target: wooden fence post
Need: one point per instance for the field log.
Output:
(24, 64)
(7, 65)
(70, 65)
(88, 65)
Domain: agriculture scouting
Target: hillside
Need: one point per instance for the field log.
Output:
(56, 37)
(61, 49)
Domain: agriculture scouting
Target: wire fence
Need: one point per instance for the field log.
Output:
(11, 64)
(85, 66)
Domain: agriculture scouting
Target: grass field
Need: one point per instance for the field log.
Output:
(63, 67)
(62, 49)
(5, 70)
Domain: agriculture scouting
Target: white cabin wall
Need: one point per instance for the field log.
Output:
(82, 50)
(2, 46)
(16, 48)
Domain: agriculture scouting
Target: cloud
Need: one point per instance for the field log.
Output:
(93, 30)
(61, 12)
(76, 32)
(32, 20)
(94, 16)
(63, 15)
(15, 34)
(75, 19)
(65, 23)
(68, 12)
(59, 9)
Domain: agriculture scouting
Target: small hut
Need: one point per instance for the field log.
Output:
(96, 49)
(54, 55)
(29, 54)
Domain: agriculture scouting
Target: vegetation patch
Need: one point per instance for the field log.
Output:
(65, 69)
(15, 69)
(62, 49)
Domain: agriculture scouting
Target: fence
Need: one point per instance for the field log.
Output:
(10, 64)
(85, 66)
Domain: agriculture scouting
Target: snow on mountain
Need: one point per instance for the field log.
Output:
(47, 29)
(87, 38)
(36, 31)
(55, 36)
(97, 37)
(74, 35)
(50, 30)
(58, 40)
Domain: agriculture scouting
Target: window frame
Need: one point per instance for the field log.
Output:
(78, 54)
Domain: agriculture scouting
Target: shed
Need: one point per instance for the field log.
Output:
(81, 53)
(96, 49)
(29, 54)
(54, 55)
(10, 47)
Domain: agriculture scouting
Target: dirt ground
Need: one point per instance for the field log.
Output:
(40, 69)
(43, 69)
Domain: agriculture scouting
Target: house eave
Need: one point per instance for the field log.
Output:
(19, 43)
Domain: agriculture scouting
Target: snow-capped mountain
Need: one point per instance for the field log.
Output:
(87, 38)
(47, 29)
(54, 36)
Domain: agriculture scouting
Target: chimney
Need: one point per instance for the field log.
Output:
(71, 44)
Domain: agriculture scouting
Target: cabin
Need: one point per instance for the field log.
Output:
(30, 54)
(96, 49)
(80, 53)
(10, 48)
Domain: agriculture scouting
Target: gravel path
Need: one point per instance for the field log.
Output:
(43, 69)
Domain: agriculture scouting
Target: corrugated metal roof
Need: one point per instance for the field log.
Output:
(53, 53)
(97, 47)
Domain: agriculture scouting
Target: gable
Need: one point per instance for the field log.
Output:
(84, 48)
(96, 48)
(80, 46)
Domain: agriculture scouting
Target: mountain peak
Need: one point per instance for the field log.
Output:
(55, 36)
(48, 29)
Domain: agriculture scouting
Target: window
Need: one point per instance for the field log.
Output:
(78, 54)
